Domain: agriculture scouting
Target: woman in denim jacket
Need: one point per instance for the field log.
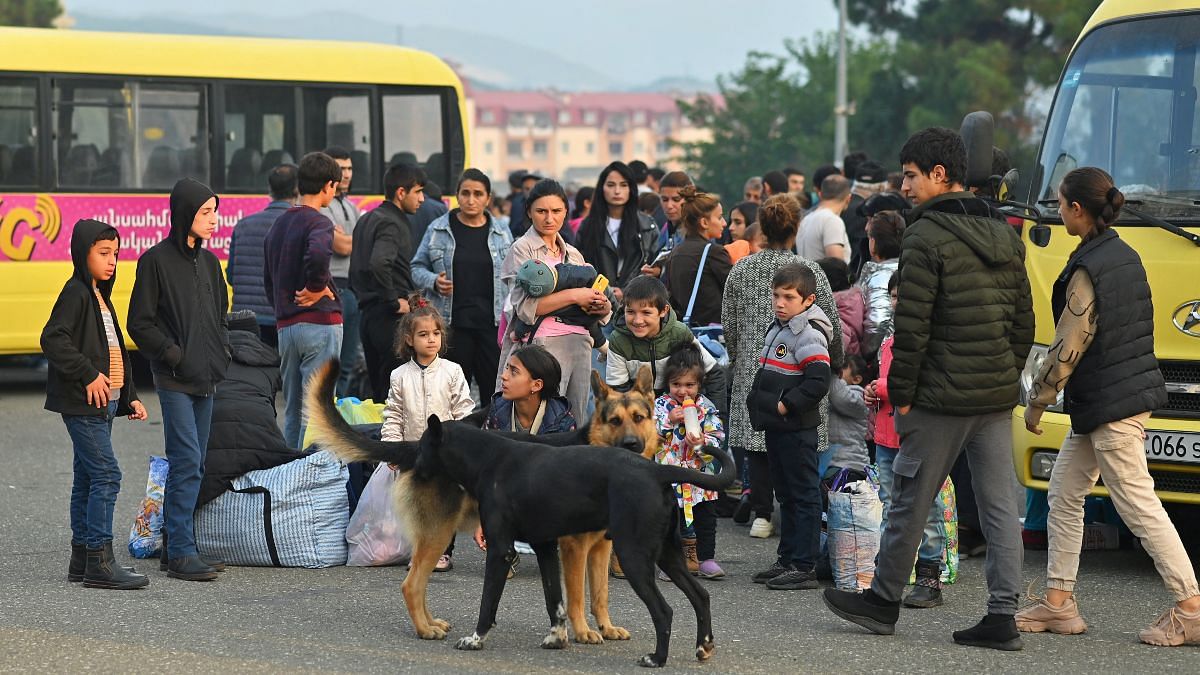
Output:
(458, 266)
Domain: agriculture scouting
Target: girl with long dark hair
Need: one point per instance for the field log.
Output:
(615, 237)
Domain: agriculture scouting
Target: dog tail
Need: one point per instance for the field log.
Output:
(335, 433)
(679, 474)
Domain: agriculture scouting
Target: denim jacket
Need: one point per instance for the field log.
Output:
(436, 255)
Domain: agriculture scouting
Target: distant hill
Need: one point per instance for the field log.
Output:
(489, 61)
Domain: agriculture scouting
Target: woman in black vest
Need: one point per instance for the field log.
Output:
(1103, 354)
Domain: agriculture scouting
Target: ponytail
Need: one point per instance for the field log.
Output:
(696, 205)
(1093, 189)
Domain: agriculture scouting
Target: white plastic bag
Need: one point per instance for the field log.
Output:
(376, 534)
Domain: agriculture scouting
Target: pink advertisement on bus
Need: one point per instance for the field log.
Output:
(37, 227)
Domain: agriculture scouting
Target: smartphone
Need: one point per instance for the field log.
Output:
(600, 284)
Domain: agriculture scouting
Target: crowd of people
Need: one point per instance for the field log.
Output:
(860, 319)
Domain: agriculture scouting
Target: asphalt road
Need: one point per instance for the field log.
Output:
(353, 619)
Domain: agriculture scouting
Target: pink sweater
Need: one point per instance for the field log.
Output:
(885, 421)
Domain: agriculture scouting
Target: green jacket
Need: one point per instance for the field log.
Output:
(964, 322)
(627, 353)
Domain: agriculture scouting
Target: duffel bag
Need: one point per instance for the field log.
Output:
(293, 515)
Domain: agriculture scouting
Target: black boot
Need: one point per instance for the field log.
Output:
(190, 568)
(101, 571)
(163, 561)
(995, 631)
(928, 591)
(78, 563)
(865, 609)
(741, 515)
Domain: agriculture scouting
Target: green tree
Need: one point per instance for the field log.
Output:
(35, 13)
(778, 111)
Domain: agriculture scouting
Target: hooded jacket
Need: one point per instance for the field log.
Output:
(557, 417)
(964, 322)
(177, 308)
(627, 353)
(74, 341)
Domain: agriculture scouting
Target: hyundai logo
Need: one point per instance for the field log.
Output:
(1187, 318)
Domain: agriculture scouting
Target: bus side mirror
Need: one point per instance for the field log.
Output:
(1040, 235)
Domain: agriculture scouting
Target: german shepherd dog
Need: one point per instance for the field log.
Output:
(623, 420)
(536, 493)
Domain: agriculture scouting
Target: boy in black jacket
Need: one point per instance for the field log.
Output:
(177, 318)
(89, 383)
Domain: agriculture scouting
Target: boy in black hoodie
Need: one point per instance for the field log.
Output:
(177, 318)
(89, 383)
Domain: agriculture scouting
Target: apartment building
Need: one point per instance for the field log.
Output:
(571, 136)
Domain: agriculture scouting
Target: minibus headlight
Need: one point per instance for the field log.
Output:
(1041, 464)
(1033, 363)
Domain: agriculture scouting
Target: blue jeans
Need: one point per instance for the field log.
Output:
(97, 477)
(933, 540)
(352, 349)
(302, 348)
(186, 422)
(793, 459)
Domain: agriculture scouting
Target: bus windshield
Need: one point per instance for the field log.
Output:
(1127, 104)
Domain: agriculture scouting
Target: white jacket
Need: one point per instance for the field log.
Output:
(439, 389)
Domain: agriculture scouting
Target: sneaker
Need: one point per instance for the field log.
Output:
(865, 609)
(761, 528)
(614, 567)
(994, 631)
(709, 569)
(768, 574)
(444, 564)
(512, 569)
(794, 580)
(662, 576)
(971, 544)
(1042, 617)
(1172, 629)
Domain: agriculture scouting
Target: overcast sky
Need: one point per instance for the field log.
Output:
(695, 38)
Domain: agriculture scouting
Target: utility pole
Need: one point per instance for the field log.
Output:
(841, 109)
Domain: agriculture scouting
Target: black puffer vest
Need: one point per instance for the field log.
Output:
(1118, 376)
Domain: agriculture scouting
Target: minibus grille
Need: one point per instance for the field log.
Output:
(1180, 404)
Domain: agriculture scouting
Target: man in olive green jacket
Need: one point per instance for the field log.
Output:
(964, 327)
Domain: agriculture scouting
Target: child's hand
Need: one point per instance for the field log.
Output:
(781, 408)
(676, 415)
(97, 391)
(694, 441)
(869, 395)
(479, 540)
(139, 411)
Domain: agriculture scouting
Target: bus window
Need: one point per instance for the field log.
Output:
(129, 135)
(94, 133)
(342, 117)
(413, 133)
(172, 139)
(260, 134)
(18, 132)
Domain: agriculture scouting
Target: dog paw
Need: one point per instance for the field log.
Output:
(442, 624)
(433, 632)
(470, 643)
(649, 661)
(614, 633)
(557, 639)
(588, 637)
(705, 650)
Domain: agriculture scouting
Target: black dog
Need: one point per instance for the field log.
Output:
(538, 493)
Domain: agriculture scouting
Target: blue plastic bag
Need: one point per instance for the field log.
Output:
(145, 537)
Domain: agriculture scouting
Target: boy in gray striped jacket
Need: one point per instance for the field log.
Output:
(784, 402)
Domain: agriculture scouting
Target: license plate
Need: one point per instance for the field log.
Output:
(1172, 446)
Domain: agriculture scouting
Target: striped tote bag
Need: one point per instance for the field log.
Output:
(293, 515)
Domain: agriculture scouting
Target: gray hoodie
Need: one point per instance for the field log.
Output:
(847, 425)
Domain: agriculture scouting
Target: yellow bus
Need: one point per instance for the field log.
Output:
(1127, 102)
(101, 125)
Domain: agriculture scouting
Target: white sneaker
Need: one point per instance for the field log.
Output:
(761, 528)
